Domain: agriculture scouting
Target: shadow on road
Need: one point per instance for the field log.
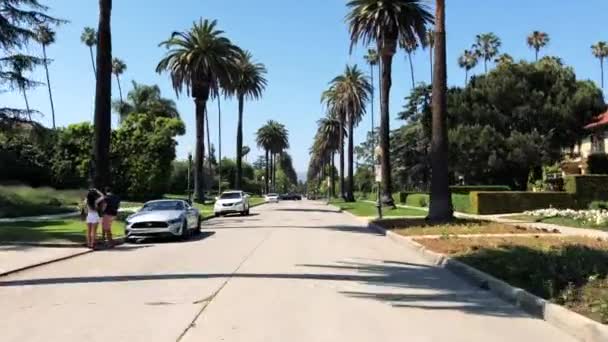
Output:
(307, 210)
(194, 238)
(338, 228)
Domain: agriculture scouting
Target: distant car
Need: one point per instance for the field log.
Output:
(272, 198)
(169, 218)
(291, 197)
(231, 202)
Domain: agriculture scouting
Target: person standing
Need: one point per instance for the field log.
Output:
(94, 204)
(112, 203)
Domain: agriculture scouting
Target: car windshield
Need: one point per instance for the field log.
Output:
(164, 205)
(231, 195)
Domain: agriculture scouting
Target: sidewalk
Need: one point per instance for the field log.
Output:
(15, 258)
(538, 225)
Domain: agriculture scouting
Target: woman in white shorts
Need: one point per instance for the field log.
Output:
(92, 203)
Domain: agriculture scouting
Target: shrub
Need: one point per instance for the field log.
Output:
(418, 200)
(599, 205)
(587, 188)
(598, 164)
(505, 202)
(461, 203)
(465, 189)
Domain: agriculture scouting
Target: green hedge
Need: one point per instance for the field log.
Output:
(465, 189)
(587, 188)
(417, 200)
(598, 164)
(504, 202)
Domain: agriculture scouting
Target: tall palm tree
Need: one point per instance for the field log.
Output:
(327, 139)
(199, 60)
(118, 68)
(15, 68)
(409, 46)
(279, 142)
(429, 41)
(264, 140)
(600, 51)
(385, 22)
(248, 84)
(372, 59)
(440, 207)
(487, 46)
(468, 60)
(537, 40)
(46, 36)
(504, 59)
(331, 97)
(103, 97)
(353, 89)
(146, 99)
(89, 38)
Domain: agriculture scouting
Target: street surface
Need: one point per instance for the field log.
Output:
(293, 271)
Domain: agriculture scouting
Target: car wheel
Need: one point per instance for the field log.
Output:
(247, 212)
(198, 225)
(217, 215)
(185, 233)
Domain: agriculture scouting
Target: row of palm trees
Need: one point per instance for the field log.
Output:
(273, 138)
(388, 23)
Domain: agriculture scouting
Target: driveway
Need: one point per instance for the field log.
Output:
(293, 271)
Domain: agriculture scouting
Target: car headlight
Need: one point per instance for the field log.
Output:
(174, 221)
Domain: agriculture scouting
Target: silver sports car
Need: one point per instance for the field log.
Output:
(163, 218)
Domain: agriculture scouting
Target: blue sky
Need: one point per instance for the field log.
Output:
(303, 44)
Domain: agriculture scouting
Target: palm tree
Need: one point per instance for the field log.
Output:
(429, 41)
(199, 60)
(537, 40)
(440, 207)
(600, 51)
(46, 36)
(372, 59)
(146, 99)
(248, 84)
(410, 46)
(327, 142)
(504, 59)
(103, 97)
(118, 68)
(332, 99)
(385, 22)
(89, 38)
(468, 60)
(279, 137)
(245, 152)
(487, 46)
(264, 139)
(15, 68)
(353, 89)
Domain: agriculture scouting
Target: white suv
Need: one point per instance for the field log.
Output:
(271, 198)
(231, 202)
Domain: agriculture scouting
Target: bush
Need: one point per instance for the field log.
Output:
(587, 188)
(465, 189)
(21, 200)
(418, 200)
(506, 202)
(461, 203)
(598, 205)
(598, 164)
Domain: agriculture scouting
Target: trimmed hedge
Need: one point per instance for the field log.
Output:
(465, 189)
(418, 200)
(587, 188)
(598, 164)
(503, 202)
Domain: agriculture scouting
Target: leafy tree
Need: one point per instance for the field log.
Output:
(118, 68)
(103, 97)
(46, 36)
(504, 59)
(537, 40)
(248, 84)
(89, 38)
(487, 46)
(71, 161)
(385, 22)
(15, 67)
(468, 60)
(199, 60)
(600, 51)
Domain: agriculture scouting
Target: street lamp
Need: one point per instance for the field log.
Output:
(378, 168)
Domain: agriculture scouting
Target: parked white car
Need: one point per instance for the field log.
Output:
(163, 218)
(231, 202)
(271, 198)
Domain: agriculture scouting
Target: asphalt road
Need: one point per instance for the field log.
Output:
(295, 272)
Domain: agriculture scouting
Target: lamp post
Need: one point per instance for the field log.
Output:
(378, 168)
(189, 176)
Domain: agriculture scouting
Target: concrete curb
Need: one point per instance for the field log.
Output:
(568, 321)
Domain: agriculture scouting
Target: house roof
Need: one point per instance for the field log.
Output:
(599, 121)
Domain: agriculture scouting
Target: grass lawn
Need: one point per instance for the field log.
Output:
(561, 221)
(55, 231)
(412, 227)
(20, 200)
(367, 209)
(570, 271)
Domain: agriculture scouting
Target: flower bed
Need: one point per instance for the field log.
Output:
(592, 217)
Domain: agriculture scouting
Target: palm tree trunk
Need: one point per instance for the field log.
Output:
(274, 172)
(219, 143)
(119, 88)
(466, 77)
(27, 104)
(48, 83)
(385, 90)
(431, 57)
(266, 173)
(350, 197)
(93, 61)
(209, 184)
(536, 54)
(199, 154)
(440, 209)
(342, 188)
(409, 56)
(333, 176)
(372, 112)
(602, 70)
(239, 145)
(485, 66)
